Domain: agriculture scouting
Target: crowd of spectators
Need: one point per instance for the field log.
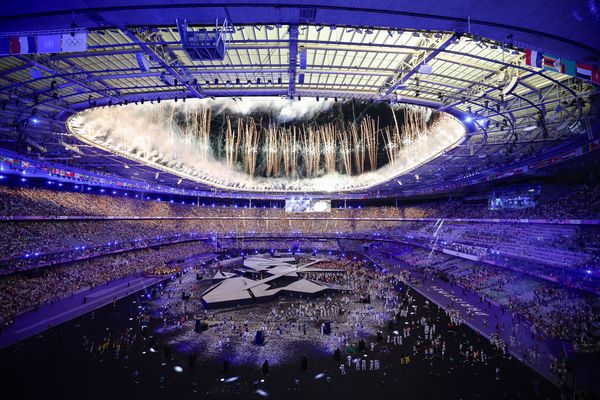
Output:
(295, 245)
(555, 245)
(552, 311)
(577, 201)
(20, 293)
(535, 249)
(568, 254)
(37, 238)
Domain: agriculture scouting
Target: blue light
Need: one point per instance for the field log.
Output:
(468, 119)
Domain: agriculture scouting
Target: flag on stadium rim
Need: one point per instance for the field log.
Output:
(4, 46)
(19, 45)
(568, 67)
(596, 76)
(72, 42)
(14, 45)
(49, 43)
(584, 71)
(533, 58)
(552, 63)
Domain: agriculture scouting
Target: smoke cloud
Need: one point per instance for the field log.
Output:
(284, 110)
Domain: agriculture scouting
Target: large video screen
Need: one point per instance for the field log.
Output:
(307, 205)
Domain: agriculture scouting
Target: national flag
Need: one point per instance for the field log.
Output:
(49, 43)
(568, 67)
(4, 46)
(28, 44)
(584, 71)
(72, 42)
(551, 63)
(596, 76)
(533, 58)
(15, 45)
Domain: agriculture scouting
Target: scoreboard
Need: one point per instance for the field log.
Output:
(302, 205)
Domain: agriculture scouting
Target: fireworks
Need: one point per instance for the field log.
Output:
(281, 146)
(273, 150)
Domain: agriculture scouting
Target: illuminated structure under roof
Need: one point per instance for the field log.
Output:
(472, 65)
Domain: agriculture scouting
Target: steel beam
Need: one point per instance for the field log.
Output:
(293, 60)
(433, 52)
(156, 58)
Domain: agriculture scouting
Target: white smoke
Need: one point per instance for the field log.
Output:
(129, 131)
(282, 109)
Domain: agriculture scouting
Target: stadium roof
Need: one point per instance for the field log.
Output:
(569, 28)
(466, 58)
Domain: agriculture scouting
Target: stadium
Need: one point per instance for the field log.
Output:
(315, 199)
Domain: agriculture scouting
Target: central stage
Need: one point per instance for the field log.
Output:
(262, 278)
